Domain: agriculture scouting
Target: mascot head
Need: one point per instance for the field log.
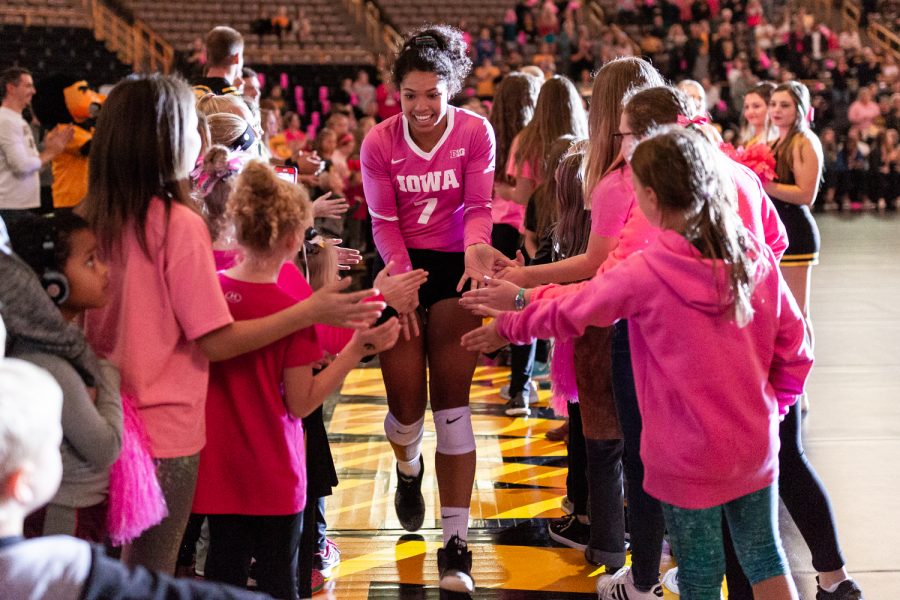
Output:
(65, 99)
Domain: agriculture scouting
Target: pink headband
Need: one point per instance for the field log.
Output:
(683, 121)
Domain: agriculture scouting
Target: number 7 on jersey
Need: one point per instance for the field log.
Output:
(430, 205)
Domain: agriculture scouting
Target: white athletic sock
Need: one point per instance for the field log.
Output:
(410, 468)
(834, 587)
(455, 521)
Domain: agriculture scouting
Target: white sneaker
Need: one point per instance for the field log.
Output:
(670, 580)
(620, 586)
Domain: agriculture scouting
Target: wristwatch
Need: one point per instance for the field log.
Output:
(520, 300)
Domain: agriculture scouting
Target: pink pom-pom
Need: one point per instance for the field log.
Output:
(562, 377)
(136, 502)
(284, 81)
(758, 158)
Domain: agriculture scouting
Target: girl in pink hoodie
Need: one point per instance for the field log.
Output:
(719, 353)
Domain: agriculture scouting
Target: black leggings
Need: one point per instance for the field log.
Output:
(806, 500)
(576, 478)
(273, 541)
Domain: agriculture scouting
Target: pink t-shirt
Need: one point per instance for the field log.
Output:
(158, 306)
(709, 392)
(615, 213)
(508, 212)
(437, 200)
(254, 445)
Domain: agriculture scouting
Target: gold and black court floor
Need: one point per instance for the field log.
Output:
(852, 436)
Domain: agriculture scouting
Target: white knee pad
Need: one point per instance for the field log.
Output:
(408, 436)
(454, 431)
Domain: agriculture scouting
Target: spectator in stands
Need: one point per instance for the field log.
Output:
(224, 63)
(863, 112)
(251, 92)
(304, 26)
(276, 97)
(364, 90)
(281, 24)
(196, 58)
(486, 76)
(20, 159)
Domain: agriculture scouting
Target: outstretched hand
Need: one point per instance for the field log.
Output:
(346, 257)
(496, 294)
(514, 271)
(484, 339)
(333, 307)
(400, 291)
(480, 261)
(327, 207)
(377, 339)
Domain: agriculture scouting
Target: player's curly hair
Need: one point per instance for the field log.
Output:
(265, 208)
(438, 49)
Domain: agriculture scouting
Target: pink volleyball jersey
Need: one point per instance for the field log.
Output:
(437, 200)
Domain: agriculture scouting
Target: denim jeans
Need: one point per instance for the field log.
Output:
(645, 517)
(505, 238)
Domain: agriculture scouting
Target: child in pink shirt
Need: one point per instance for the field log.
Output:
(167, 318)
(256, 400)
(702, 293)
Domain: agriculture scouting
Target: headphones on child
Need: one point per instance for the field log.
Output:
(54, 282)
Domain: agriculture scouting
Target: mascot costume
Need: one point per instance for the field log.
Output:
(67, 100)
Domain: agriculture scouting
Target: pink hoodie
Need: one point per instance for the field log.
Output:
(710, 393)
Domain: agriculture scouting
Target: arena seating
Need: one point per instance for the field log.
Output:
(48, 49)
(333, 39)
(406, 15)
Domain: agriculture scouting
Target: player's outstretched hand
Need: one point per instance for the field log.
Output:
(480, 260)
(401, 290)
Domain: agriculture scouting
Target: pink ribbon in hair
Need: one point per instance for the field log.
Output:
(204, 181)
(810, 114)
(683, 121)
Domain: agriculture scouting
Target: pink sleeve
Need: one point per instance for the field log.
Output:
(793, 359)
(302, 349)
(611, 202)
(555, 290)
(382, 202)
(599, 302)
(190, 271)
(478, 186)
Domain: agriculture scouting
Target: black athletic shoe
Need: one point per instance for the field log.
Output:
(847, 590)
(408, 500)
(571, 532)
(517, 406)
(455, 566)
